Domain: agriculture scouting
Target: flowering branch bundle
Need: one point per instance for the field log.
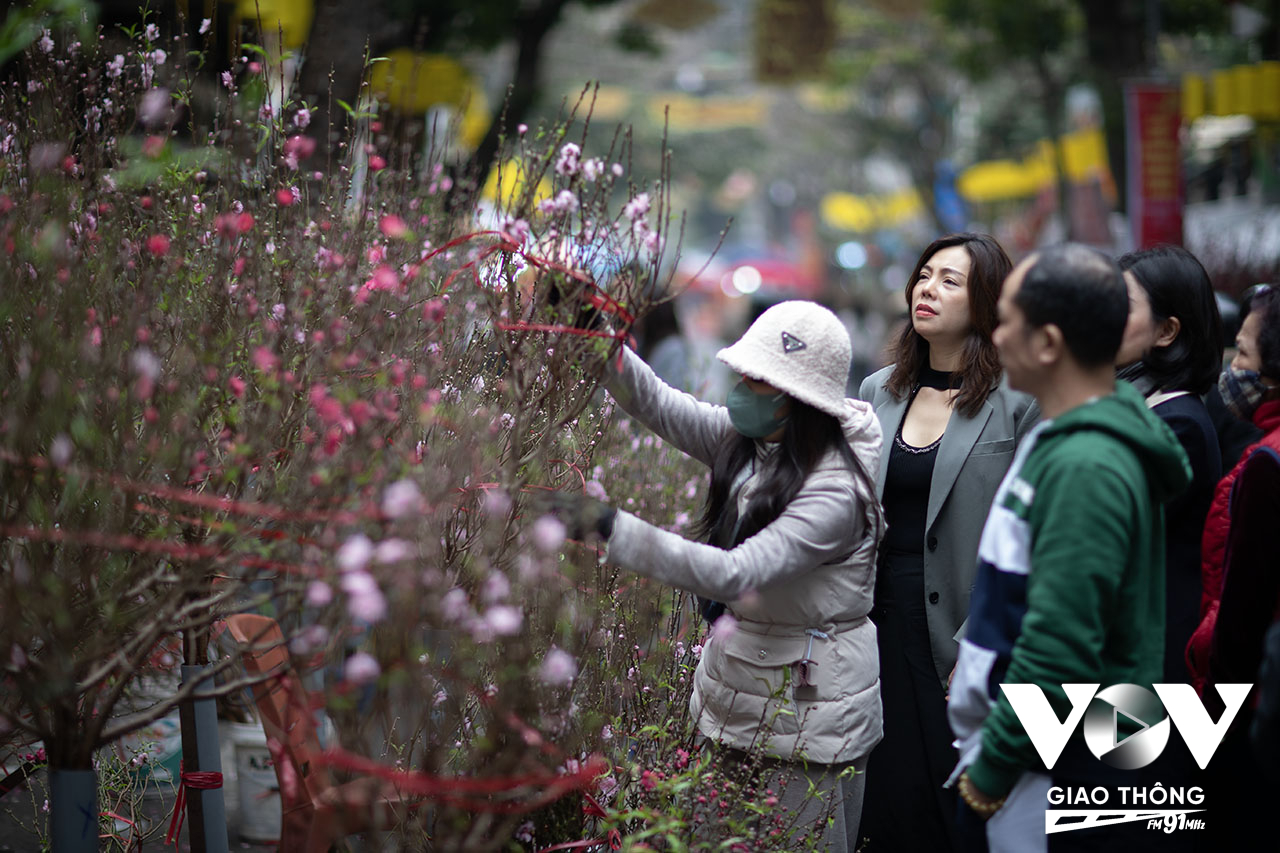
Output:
(235, 382)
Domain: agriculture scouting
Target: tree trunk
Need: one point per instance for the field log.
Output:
(334, 66)
(1116, 41)
(1052, 102)
(1270, 35)
(532, 28)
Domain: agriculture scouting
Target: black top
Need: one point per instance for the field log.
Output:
(930, 378)
(906, 494)
(1184, 524)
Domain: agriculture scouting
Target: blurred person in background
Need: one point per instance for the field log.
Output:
(1172, 352)
(951, 425)
(867, 329)
(660, 345)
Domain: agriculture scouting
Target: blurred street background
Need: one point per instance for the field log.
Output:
(838, 137)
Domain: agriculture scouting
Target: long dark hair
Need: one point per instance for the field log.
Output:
(808, 436)
(979, 372)
(1178, 286)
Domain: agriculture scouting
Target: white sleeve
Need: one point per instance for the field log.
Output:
(696, 428)
(824, 523)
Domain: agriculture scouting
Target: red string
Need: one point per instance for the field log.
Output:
(468, 792)
(199, 499)
(133, 827)
(200, 780)
(506, 243)
(222, 526)
(575, 469)
(590, 808)
(563, 330)
(172, 550)
(609, 305)
(568, 330)
(458, 241)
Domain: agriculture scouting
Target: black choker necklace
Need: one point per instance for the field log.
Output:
(939, 379)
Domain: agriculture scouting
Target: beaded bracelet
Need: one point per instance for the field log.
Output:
(984, 809)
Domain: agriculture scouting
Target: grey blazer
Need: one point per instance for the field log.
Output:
(972, 460)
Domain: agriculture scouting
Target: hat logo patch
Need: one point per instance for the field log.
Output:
(790, 343)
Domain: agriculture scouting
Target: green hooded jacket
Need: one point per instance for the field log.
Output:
(1070, 584)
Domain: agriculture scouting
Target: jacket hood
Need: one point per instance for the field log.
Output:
(862, 431)
(1125, 416)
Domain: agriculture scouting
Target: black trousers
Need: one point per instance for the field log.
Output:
(905, 806)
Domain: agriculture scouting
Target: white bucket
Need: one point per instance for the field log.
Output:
(259, 793)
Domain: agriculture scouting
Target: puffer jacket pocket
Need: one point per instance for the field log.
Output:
(764, 665)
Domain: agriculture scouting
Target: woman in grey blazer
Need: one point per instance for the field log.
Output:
(951, 425)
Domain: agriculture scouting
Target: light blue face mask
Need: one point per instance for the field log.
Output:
(754, 415)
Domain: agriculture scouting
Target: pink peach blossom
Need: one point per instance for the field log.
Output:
(548, 533)
(361, 668)
(402, 499)
(393, 551)
(319, 593)
(367, 607)
(393, 226)
(558, 668)
(355, 553)
(503, 620)
(265, 360)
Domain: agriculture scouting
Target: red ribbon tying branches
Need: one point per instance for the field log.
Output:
(229, 505)
(171, 550)
(565, 330)
(594, 295)
(476, 794)
(471, 794)
(590, 808)
(200, 780)
(133, 828)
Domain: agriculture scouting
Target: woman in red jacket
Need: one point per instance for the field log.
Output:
(1251, 390)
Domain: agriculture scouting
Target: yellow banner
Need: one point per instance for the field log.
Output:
(1084, 155)
(688, 113)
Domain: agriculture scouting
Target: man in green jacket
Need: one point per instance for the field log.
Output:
(1070, 585)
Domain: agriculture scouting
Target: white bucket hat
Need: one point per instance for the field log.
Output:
(800, 348)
